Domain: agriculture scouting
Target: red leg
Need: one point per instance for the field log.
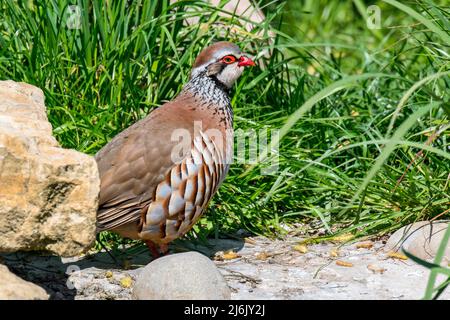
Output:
(164, 248)
(153, 249)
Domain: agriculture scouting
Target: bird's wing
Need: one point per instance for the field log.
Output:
(133, 163)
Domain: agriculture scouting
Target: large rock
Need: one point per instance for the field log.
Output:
(422, 239)
(48, 195)
(14, 288)
(190, 276)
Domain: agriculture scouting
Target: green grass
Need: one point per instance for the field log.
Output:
(363, 114)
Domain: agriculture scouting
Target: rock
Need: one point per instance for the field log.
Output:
(14, 288)
(249, 12)
(421, 239)
(48, 195)
(189, 275)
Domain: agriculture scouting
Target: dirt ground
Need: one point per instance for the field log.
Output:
(254, 268)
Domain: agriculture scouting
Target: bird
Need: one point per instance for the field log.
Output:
(158, 176)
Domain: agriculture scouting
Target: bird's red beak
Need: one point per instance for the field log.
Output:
(245, 62)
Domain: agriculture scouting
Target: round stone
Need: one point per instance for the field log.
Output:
(190, 276)
(422, 239)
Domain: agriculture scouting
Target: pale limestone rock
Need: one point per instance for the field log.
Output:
(48, 195)
(248, 12)
(189, 275)
(422, 239)
(14, 288)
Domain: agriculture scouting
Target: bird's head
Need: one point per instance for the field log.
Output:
(223, 61)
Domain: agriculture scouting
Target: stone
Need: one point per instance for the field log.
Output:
(14, 288)
(189, 275)
(250, 13)
(48, 195)
(421, 239)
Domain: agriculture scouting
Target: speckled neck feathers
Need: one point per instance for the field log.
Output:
(211, 95)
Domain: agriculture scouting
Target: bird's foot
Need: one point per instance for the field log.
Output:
(153, 249)
(163, 249)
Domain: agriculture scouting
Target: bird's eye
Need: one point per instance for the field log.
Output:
(229, 59)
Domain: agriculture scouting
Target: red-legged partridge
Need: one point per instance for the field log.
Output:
(158, 175)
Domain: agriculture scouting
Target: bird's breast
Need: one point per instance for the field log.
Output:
(182, 197)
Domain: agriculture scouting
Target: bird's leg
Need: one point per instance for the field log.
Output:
(153, 249)
(164, 248)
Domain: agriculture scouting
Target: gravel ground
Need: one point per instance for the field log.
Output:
(257, 268)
